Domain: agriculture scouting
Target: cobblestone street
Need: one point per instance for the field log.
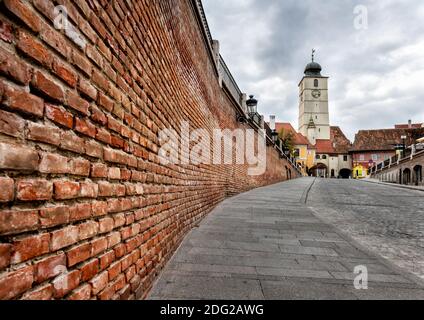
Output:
(287, 241)
(385, 219)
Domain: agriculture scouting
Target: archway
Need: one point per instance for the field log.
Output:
(407, 176)
(418, 175)
(320, 170)
(345, 173)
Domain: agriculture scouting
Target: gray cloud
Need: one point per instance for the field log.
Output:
(376, 75)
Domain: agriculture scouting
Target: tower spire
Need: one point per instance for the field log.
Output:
(313, 55)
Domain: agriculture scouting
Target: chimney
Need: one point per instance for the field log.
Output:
(410, 124)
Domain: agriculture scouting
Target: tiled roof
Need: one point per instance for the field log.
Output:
(380, 140)
(324, 146)
(341, 144)
(406, 126)
(299, 139)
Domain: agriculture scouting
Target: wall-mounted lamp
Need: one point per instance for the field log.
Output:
(252, 106)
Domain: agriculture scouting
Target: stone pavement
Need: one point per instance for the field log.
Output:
(267, 244)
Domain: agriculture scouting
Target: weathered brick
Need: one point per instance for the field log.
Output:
(81, 211)
(81, 63)
(99, 170)
(64, 238)
(81, 293)
(87, 90)
(99, 208)
(25, 13)
(114, 270)
(81, 167)
(85, 127)
(30, 247)
(106, 259)
(78, 254)
(11, 124)
(59, 115)
(6, 32)
(50, 267)
(77, 103)
(114, 174)
(55, 40)
(65, 283)
(89, 270)
(98, 246)
(12, 67)
(5, 255)
(34, 190)
(88, 230)
(65, 73)
(99, 282)
(89, 190)
(16, 282)
(65, 190)
(7, 189)
(13, 221)
(23, 101)
(44, 292)
(70, 141)
(43, 133)
(54, 163)
(34, 49)
(94, 149)
(106, 225)
(48, 87)
(54, 216)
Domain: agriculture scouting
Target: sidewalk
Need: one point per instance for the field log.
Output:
(266, 244)
(369, 180)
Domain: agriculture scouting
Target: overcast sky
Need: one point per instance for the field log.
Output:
(376, 74)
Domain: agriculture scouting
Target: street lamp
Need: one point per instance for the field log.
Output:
(274, 136)
(404, 144)
(252, 106)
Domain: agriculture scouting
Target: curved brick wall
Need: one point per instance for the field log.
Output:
(86, 209)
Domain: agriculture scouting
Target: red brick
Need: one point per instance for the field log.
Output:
(114, 270)
(106, 225)
(54, 163)
(34, 190)
(6, 32)
(106, 259)
(48, 87)
(25, 13)
(81, 63)
(44, 292)
(114, 174)
(99, 208)
(60, 116)
(15, 283)
(23, 101)
(65, 283)
(64, 238)
(99, 282)
(81, 211)
(71, 142)
(99, 170)
(54, 216)
(12, 67)
(78, 254)
(16, 157)
(30, 247)
(11, 124)
(55, 40)
(81, 293)
(100, 80)
(89, 270)
(5, 255)
(94, 149)
(104, 136)
(50, 267)
(45, 7)
(77, 103)
(81, 167)
(98, 116)
(98, 246)
(95, 56)
(88, 230)
(87, 89)
(130, 274)
(85, 127)
(7, 189)
(34, 49)
(107, 293)
(65, 73)
(114, 205)
(120, 250)
(42, 133)
(13, 221)
(65, 190)
(105, 102)
(89, 190)
(113, 239)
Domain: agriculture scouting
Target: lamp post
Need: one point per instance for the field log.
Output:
(403, 145)
(252, 106)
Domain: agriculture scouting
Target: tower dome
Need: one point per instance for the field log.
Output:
(313, 69)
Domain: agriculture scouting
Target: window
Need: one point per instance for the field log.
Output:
(324, 157)
(316, 83)
(361, 157)
(318, 157)
(345, 158)
(374, 157)
(297, 153)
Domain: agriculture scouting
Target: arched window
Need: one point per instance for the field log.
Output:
(316, 83)
(324, 157)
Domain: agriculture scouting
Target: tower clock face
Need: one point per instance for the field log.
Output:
(316, 94)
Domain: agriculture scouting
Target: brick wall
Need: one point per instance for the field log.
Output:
(86, 209)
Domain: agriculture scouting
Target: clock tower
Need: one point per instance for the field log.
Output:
(314, 118)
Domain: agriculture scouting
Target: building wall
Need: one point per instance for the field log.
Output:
(362, 161)
(87, 211)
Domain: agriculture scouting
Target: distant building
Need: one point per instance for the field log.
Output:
(375, 146)
(330, 145)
